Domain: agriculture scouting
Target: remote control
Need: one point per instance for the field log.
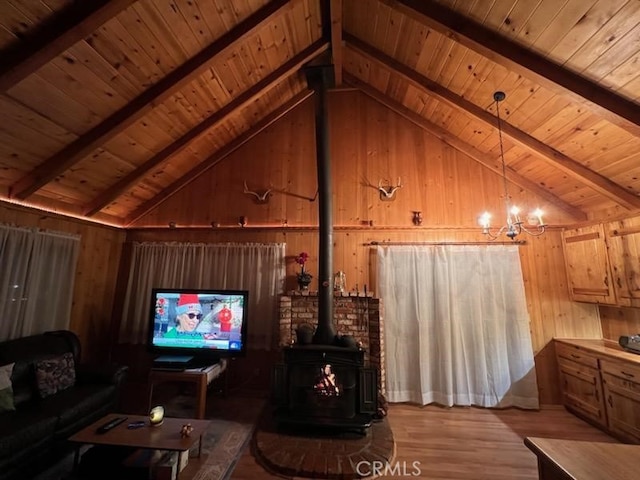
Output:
(110, 424)
(136, 425)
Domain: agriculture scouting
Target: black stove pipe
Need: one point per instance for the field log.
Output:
(319, 78)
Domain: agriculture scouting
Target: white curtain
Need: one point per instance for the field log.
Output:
(258, 268)
(37, 273)
(456, 326)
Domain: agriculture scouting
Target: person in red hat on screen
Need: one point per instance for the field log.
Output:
(188, 315)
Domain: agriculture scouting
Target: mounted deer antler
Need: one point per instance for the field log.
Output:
(260, 197)
(388, 192)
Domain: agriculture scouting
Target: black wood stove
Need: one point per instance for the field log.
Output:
(324, 386)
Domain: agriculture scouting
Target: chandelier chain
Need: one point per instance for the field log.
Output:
(515, 225)
(504, 166)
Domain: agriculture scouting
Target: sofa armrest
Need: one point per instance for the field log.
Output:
(109, 374)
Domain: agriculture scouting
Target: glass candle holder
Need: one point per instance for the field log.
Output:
(156, 416)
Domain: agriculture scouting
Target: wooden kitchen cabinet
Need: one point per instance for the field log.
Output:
(581, 384)
(623, 245)
(600, 382)
(621, 383)
(587, 264)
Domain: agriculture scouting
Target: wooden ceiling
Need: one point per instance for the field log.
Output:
(106, 107)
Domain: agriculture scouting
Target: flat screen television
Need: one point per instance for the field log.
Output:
(199, 325)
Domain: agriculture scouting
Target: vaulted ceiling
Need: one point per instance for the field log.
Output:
(106, 107)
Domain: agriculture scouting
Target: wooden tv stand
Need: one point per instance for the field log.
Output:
(201, 377)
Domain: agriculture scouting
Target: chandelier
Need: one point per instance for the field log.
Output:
(514, 225)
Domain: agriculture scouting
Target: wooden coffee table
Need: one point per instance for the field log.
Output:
(163, 437)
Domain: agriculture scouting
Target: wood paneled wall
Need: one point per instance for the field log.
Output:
(96, 274)
(370, 144)
(617, 321)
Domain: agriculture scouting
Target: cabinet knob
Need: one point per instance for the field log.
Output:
(610, 400)
(628, 375)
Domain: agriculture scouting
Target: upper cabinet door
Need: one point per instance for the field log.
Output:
(588, 270)
(623, 238)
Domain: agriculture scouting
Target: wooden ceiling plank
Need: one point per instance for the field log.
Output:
(602, 101)
(486, 160)
(395, 28)
(537, 23)
(615, 57)
(612, 32)
(455, 71)
(135, 109)
(257, 90)
(517, 17)
(64, 30)
(336, 40)
(569, 14)
(589, 24)
(603, 185)
(217, 157)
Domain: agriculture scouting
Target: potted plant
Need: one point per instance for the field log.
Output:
(304, 277)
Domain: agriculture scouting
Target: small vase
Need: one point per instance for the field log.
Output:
(304, 279)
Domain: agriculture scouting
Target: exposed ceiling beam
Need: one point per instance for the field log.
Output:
(58, 34)
(336, 40)
(138, 107)
(217, 157)
(257, 90)
(618, 110)
(576, 170)
(484, 159)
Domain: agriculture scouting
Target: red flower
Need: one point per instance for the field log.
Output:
(302, 258)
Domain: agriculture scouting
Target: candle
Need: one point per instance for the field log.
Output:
(485, 220)
(537, 213)
(515, 211)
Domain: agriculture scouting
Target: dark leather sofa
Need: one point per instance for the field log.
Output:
(36, 432)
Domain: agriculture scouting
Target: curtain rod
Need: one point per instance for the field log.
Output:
(374, 243)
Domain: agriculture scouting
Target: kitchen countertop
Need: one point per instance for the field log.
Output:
(604, 347)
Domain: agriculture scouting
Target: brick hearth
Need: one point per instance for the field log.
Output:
(322, 456)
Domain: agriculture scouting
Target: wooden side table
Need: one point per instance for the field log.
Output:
(201, 377)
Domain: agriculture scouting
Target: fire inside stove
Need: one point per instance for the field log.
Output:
(326, 383)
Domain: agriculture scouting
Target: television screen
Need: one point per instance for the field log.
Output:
(201, 323)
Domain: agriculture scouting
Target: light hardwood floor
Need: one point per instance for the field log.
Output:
(464, 443)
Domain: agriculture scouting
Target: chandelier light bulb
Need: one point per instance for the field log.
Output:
(538, 214)
(485, 220)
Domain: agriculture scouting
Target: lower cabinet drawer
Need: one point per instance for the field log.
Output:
(576, 354)
(619, 369)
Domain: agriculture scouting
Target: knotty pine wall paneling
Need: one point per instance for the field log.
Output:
(618, 321)
(370, 143)
(96, 274)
